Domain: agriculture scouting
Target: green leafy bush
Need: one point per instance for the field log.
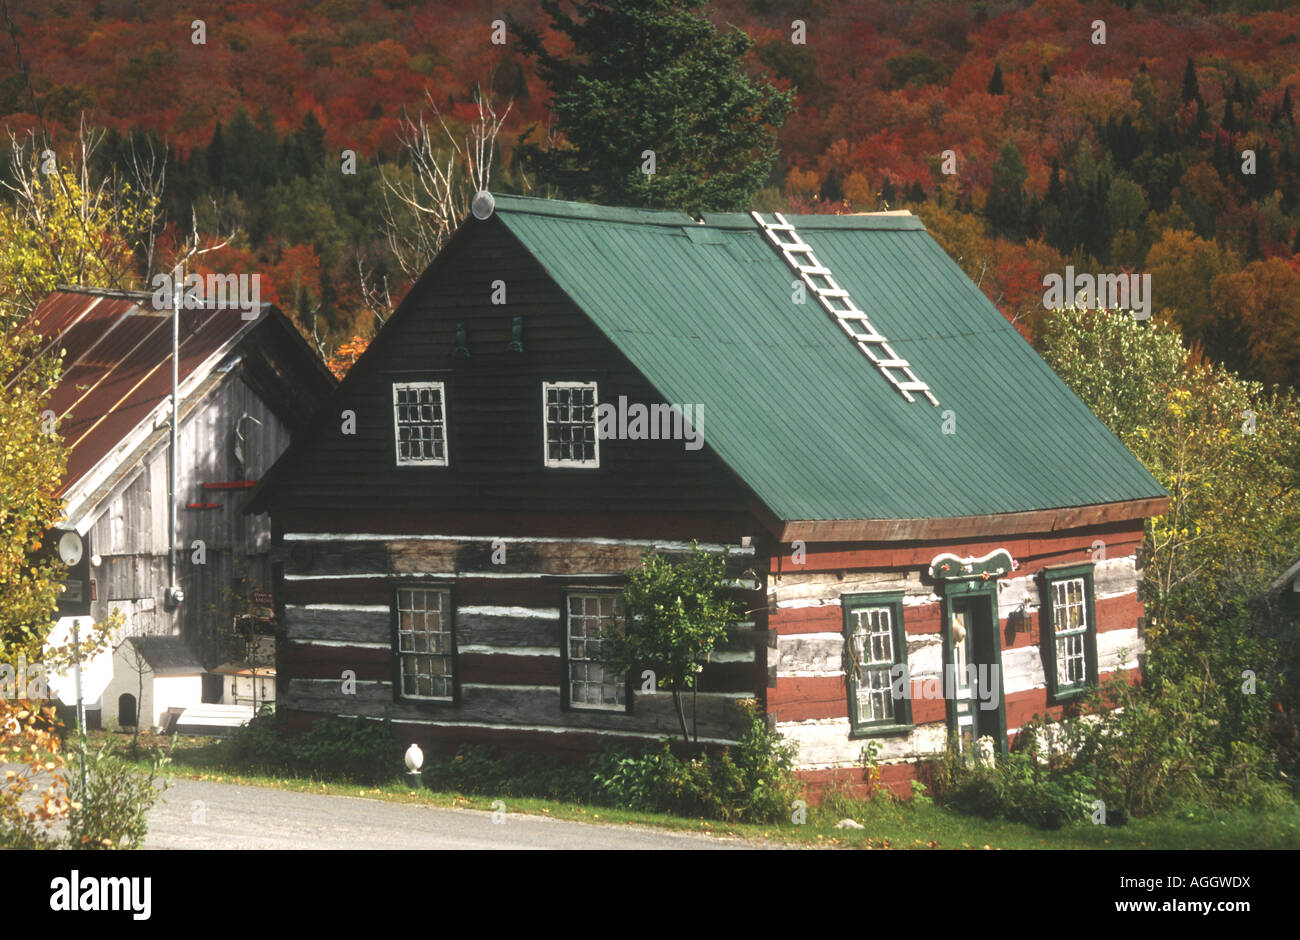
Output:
(111, 811)
(751, 782)
(356, 749)
(258, 746)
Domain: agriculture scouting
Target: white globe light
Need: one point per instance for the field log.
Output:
(483, 205)
(414, 757)
(70, 548)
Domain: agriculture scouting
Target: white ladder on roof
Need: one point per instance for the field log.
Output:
(799, 256)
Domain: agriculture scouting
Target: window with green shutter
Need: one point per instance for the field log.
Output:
(1069, 631)
(876, 657)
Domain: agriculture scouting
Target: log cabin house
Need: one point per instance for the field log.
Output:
(901, 480)
(245, 386)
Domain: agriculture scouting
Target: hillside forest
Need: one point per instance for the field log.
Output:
(1024, 144)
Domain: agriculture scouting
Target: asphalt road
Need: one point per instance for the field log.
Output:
(199, 814)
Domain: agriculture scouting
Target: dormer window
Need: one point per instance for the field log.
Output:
(420, 424)
(569, 424)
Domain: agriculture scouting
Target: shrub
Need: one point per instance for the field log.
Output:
(111, 811)
(258, 746)
(32, 792)
(356, 749)
(750, 782)
(1020, 788)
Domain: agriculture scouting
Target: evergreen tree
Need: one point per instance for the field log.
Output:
(995, 83)
(1005, 207)
(653, 76)
(832, 190)
(216, 158)
(1191, 90)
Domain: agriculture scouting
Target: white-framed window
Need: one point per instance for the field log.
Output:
(424, 644)
(1070, 627)
(569, 436)
(871, 630)
(420, 423)
(592, 682)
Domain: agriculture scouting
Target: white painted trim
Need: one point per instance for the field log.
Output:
(362, 644)
(809, 602)
(523, 539)
(446, 435)
(531, 613)
(592, 464)
(967, 563)
(509, 650)
(730, 656)
(373, 608)
(552, 729)
(511, 685)
(837, 636)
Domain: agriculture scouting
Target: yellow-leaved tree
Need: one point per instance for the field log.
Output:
(60, 223)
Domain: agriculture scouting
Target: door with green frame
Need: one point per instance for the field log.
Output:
(973, 668)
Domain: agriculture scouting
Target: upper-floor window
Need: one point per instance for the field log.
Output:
(569, 424)
(420, 423)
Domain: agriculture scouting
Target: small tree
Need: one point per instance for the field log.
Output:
(676, 613)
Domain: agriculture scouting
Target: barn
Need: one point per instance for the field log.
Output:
(930, 533)
(245, 384)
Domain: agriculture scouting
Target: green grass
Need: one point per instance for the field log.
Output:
(888, 824)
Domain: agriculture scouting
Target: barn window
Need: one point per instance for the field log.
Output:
(419, 423)
(876, 648)
(569, 418)
(425, 652)
(1070, 631)
(593, 682)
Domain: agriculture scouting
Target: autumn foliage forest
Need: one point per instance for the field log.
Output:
(1119, 156)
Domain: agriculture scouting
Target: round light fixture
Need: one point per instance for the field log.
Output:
(483, 205)
(70, 548)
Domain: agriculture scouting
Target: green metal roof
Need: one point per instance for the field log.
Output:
(704, 311)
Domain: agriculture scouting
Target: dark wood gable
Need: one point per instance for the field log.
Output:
(494, 412)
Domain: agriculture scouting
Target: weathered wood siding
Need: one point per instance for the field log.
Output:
(130, 531)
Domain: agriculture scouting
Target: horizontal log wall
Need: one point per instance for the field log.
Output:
(808, 700)
(509, 634)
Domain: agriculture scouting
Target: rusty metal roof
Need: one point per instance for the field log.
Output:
(117, 363)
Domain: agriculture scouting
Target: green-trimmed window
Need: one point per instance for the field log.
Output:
(1069, 630)
(877, 655)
